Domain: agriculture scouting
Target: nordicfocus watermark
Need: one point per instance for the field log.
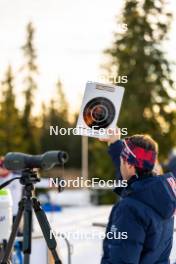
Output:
(112, 79)
(87, 235)
(56, 130)
(80, 182)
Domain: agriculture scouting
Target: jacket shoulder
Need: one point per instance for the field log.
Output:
(136, 209)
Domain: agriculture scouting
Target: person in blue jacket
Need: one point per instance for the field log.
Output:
(146, 207)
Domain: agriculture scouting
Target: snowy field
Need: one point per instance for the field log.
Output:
(79, 221)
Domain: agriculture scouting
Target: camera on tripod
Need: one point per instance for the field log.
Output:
(16, 161)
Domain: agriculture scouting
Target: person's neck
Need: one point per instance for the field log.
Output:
(129, 177)
(132, 179)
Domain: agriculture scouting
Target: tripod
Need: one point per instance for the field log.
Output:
(27, 203)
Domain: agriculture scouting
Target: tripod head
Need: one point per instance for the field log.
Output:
(28, 179)
(29, 176)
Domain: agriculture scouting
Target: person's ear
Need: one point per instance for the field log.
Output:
(130, 166)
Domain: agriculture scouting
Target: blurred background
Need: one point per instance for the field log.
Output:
(50, 49)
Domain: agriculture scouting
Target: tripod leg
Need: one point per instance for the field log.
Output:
(5, 259)
(46, 230)
(27, 230)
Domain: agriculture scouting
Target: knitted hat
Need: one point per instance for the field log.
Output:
(140, 157)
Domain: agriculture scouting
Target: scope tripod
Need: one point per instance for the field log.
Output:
(27, 203)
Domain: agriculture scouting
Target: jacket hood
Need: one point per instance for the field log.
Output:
(157, 192)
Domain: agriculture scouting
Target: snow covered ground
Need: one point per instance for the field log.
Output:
(78, 221)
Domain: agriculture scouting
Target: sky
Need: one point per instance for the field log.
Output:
(70, 38)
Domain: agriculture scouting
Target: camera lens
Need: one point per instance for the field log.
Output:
(99, 113)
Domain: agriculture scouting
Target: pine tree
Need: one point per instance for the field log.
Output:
(56, 116)
(62, 101)
(138, 53)
(75, 144)
(11, 132)
(30, 71)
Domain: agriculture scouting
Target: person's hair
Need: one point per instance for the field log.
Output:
(146, 142)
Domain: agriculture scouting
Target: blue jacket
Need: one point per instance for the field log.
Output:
(145, 215)
(172, 165)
